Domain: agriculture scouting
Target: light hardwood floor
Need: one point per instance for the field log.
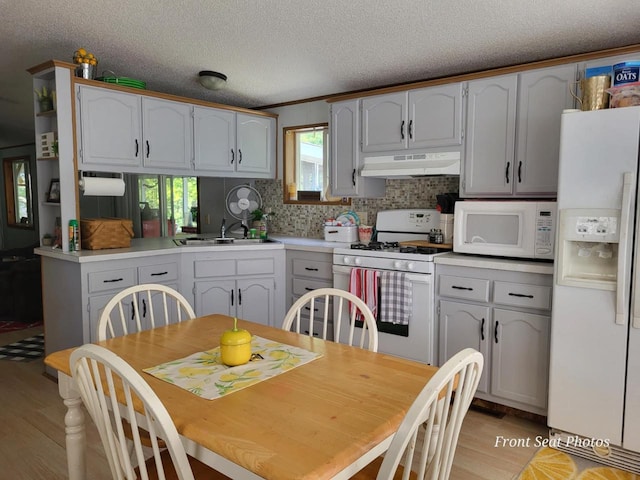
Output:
(32, 432)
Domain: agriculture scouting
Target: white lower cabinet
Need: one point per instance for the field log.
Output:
(308, 271)
(247, 285)
(104, 283)
(506, 316)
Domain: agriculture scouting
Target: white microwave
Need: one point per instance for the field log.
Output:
(522, 229)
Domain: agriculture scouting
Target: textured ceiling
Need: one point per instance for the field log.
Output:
(275, 51)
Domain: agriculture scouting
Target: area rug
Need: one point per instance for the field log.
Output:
(24, 350)
(552, 464)
(12, 326)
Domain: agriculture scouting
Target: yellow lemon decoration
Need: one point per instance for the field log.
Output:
(606, 473)
(82, 56)
(550, 464)
(235, 346)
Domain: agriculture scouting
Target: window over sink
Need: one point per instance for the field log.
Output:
(306, 165)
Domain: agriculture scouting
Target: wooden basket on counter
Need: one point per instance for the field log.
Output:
(99, 233)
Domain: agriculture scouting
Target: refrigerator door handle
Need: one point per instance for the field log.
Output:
(635, 294)
(625, 215)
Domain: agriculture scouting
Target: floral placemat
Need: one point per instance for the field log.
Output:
(204, 374)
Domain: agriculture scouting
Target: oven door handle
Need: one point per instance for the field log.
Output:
(412, 277)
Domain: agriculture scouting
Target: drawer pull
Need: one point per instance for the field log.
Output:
(159, 274)
(309, 289)
(495, 332)
(311, 269)
(522, 295)
(456, 287)
(482, 330)
(113, 280)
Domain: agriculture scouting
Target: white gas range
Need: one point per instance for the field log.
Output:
(417, 340)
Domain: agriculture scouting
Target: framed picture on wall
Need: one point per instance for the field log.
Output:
(53, 195)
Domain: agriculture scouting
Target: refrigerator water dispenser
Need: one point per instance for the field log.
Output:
(588, 248)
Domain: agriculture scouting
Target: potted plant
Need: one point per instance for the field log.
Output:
(47, 240)
(46, 98)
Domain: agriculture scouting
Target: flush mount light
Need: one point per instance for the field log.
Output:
(212, 80)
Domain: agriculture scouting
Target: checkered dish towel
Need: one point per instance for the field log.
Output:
(363, 283)
(395, 298)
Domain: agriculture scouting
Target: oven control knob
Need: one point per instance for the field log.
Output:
(346, 260)
(397, 264)
(357, 261)
(410, 266)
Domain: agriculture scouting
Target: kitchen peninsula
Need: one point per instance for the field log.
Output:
(76, 286)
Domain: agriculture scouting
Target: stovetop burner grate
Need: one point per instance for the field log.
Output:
(395, 247)
(375, 246)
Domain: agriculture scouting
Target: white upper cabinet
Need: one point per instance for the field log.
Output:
(214, 135)
(166, 130)
(255, 144)
(234, 144)
(109, 128)
(490, 136)
(416, 119)
(435, 116)
(344, 162)
(542, 96)
(124, 132)
(513, 133)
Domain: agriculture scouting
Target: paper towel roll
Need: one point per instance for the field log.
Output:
(113, 187)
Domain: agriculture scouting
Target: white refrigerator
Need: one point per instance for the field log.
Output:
(594, 381)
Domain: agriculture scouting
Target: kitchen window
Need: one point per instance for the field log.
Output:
(306, 165)
(167, 204)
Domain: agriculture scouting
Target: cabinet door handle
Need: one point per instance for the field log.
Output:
(315, 334)
(482, 330)
(159, 274)
(495, 332)
(147, 142)
(239, 156)
(522, 295)
(144, 308)
(233, 156)
(520, 172)
(113, 280)
(411, 128)
(402, 130)
(456, 287)
(311, 269)
(239, 297)
(309, 308)
(353, 177)
(232, 297)
(506, 174)
(137, 147)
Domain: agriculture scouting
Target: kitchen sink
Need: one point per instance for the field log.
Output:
(204, 241)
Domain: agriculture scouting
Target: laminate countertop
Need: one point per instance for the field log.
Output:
(495, 263)
(147, 247)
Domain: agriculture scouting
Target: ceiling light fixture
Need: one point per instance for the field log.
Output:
(212, 80)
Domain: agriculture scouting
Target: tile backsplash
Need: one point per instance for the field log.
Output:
(306, 220)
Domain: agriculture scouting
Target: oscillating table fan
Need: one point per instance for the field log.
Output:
(241, 201)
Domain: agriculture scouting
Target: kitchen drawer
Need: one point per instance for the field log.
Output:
(256, 266)
(463, 287)
(522, 295)
(158, 273)
(214, 268)
(112, 280)
(312, 268)
(305, 285)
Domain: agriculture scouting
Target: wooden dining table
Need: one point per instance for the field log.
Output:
(325, 419)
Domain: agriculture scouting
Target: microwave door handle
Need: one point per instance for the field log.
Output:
(622, 274)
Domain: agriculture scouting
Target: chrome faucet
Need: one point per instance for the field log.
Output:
(245, 229)
(222, 228)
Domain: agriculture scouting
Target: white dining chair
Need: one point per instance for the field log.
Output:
(149, 305)
(343, 306)
(454, 385)
(110, 388)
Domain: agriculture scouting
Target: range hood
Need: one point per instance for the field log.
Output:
(413, 165)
